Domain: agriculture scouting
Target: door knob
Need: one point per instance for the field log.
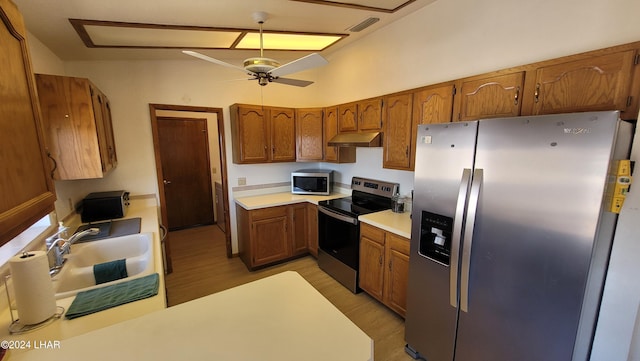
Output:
(166, 182)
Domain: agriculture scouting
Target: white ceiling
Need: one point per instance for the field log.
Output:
(48, 20)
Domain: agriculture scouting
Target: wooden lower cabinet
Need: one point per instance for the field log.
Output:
(312, 230)
(271, 235)
(384, 266)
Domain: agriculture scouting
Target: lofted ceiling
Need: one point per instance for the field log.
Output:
(49, 21)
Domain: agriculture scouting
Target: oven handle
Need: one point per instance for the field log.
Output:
(339, 216)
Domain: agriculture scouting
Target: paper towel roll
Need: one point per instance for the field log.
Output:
(32, 286)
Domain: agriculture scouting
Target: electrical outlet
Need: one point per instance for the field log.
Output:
(242, 181)
(214, 170)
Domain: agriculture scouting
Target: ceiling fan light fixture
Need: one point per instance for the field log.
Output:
(260, 65)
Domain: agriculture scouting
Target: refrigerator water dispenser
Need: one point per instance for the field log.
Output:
(435, 237)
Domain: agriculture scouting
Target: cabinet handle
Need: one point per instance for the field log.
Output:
(515, 98)
(55, 164)
(536, 95)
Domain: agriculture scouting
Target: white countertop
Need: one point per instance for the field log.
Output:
(278, 318)
(398, 223)
(62, 329)
(280, 199)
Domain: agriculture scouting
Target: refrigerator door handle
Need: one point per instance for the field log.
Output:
(458, 221)
(474, 195)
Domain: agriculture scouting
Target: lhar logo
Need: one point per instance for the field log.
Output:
(577, 130)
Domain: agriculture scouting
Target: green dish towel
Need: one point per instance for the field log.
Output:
(100, 299)
(110, 271)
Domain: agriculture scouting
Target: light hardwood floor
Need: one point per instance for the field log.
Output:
(200, 268)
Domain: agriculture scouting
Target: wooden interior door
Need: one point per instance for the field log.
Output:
(184, 153)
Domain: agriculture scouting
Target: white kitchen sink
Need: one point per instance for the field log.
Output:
(77, 273)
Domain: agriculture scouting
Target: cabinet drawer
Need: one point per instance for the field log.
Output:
(373, 233)
(270, 212)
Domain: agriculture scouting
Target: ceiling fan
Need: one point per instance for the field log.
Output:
(267, 70)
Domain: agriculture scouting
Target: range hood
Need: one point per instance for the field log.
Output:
(360, 139)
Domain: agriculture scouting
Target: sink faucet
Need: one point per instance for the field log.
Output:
(60, 247)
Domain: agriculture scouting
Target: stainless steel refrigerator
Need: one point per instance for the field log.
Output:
(511, 236)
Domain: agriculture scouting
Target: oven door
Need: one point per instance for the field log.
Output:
(339, 246)
(339, 236)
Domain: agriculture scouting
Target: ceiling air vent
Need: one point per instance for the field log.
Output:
(363, 25)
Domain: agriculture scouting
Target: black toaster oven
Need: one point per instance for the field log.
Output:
(100, 206)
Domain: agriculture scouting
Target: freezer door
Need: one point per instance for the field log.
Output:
(540, 186)
(444, 160)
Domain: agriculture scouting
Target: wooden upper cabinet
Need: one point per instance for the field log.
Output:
(433, 104)
(262, 134)
(330, 130)
(310, 134)
(104, 125)
(348, 118)
(370, 115)
(592, 84)
(283, 134)
(398, 131)
(332, 153)
(489, 97)
(250, 134)
(77, 126)
(26, 187)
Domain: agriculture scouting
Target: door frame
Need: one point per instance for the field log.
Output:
(223, 167)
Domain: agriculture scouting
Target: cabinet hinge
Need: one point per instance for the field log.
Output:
(454, 90)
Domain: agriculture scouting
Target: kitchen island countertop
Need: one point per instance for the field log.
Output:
(281, 318)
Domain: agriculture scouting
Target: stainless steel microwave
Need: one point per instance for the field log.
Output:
(311, 181)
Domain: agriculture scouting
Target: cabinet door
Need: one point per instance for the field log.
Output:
(309, 134)
(397, 272)
(108, 128)
(335, 154)
(598, 83)
(370, 115)
(347, 118)
(97, 100)
(299, 232)
(283, 135)
(26, 187)
(250, 134)
(68, 112)
(269, 236)
(398, 131)
(312, 228)
(371, 278)
(330, 130)
(433, 104)
(497, 96)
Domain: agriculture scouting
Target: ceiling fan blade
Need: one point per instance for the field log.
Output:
(215, 61)
(294, 82)
(307, 62)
